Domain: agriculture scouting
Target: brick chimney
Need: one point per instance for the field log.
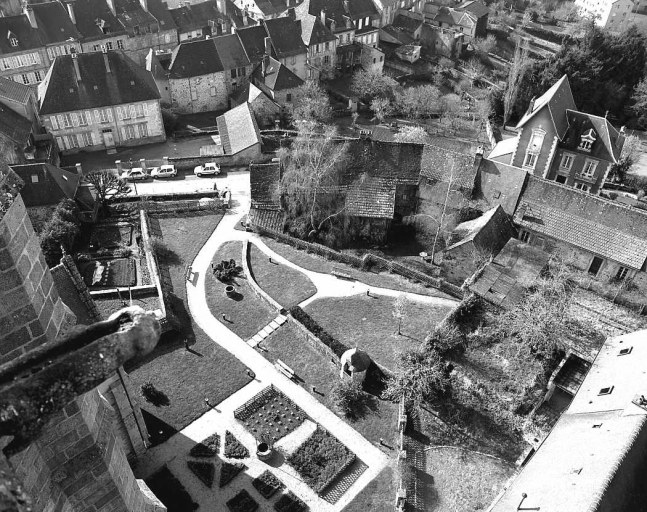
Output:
(478, 157)
(75, 62)
(104, 50)
(29, 12)
(70, 11)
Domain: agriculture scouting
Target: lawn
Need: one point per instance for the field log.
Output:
(246, 314)
(368, 323)
(378, 496)
(464, 480)
(317, 263)
(207, 370)
(272, 278)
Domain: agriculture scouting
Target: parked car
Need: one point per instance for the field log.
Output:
(208, 168)
(165, 171)
(134, 174)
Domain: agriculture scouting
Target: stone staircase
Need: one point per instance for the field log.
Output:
(267, 330)
(344, 480)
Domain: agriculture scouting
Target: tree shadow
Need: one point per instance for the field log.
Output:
(362, 407)
(376, 381)
(158, 430)
(154, 396)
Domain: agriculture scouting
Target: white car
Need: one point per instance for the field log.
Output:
(165, 171)
(208, 168)
(134, 174)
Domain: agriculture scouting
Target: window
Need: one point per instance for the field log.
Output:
(100, 116)
(129, 132)
(67, 120)
(589, 168)
(596, 263)
(194, 94)
(25, 79)
(533, 148)
(143, 130)
(72, 141)
(583, 187)
(560, 179)
(212, 91)
(34, 178)
(327, 46)
(242, 71)
(524, 236)
(109, 45)
(318, 50)
(126, 112)
(120, 44)
(13, 42)
(606, 391)
(293, 59)
(567, 162)
(38, 76)
(138, 110)
(587, 140)
(233, 73)
(622, 273)
(82, 119)
(326, 59)
(288, 97)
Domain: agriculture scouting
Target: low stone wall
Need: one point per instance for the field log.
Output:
(153, 267)
(315, 342)
(250, 279)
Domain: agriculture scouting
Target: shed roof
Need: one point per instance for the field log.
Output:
(14, 126)
(264, 181)
(370, 196)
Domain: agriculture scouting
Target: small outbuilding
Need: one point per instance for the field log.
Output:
(354, 364)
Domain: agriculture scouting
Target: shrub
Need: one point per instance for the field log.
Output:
(153, 395)
(205, 471)
(267, 484)
(229, 471)
(60, 231)
(347, 395)
(234, 449)
(225, 271)
(207, 448)
(242, 502)
(301, 316)
(290, 503)
(320, 459)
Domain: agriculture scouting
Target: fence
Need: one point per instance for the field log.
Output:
(180, 206)
(368, 260)
(401, 493)
(252, 405)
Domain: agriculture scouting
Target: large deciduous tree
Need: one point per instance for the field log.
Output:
(370, 84)
(310, 103)
(107, 186)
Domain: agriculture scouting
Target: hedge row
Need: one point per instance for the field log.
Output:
(301, 316)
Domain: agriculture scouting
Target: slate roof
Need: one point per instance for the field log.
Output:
(54, 22)
(370, 196)
(498, 183)
(446, 163)
(313, 31)
(392, 34)
(238, 129)
(286, 36)
(88, 12)
(14, 91)
(195, 58)
(125, 83)
(582, 232)
(336, 10)
(53, 184)
(469, 229)
(14, 126)
(253, 41)
(504, 149)
(558, 99)
(28, 37)
(231, 51)
(159, 9)
(264, 180)
(271, 7)
(277, 76)
(390, 160)
(131, 14)
(408, 23)
(608, 145)
(477, 8)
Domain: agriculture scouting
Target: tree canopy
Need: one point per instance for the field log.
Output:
(310, 103)
(107, 186)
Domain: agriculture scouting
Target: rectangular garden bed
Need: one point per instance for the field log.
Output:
(110, 236)
(109, 272)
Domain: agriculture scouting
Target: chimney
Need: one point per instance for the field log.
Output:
(70, 11)
(332, 26)
(222, 6)
(264, 64)
(245, 20)
(346, 6)
(111, 6)
(478, 156)
(144, 4)
(79, 169)
(268, 46)
(292, 14)
(29, 12)
(104, 50)
(75, 62)
(322, 14)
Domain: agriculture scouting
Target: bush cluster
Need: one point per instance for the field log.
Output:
(290, 503)
(234, 449)
(242, 502)
(60, 231)
(205, 471)
(207, 448)
(228, 472)
(267, 484)
(301, 316)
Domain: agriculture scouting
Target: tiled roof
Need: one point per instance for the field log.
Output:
(313, 31)
(277, 76)
(558, 99)
(286, 37)
(475, 7)
(53, 183)
(231, 51)
(195, 58)
(395, 35)
(54, 22)
(88, 12)
(370, 196)
(500, 184)
(14, 91)
(445, 165)
(582, 232)
(408, 23)
(271, 7)
(253, 41)
(608, 145)
(238, 129)
(264, 181)
(28, 37)
(125, 83)
(14, 126)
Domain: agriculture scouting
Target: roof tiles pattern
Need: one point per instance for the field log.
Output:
(371, 197)
(14, 91)
(238, 129)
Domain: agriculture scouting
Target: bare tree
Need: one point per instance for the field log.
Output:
(382, 108)
(474, 69)
(515, 76)
(107, 186)
(400, 310)
(414, 134)
(370, 84)
(311, 103)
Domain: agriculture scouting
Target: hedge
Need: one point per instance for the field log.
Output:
(290, 503)
(301, 316)
(267, 484)
(207, 448)
(205, 471)
(234, 449)
(229, 471)
(242, 502)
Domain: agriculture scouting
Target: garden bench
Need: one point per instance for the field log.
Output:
(187, 274)
(340, 272)
(284, 369)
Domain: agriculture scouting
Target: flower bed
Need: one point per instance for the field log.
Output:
(267, 484)
(229, 471)
(207, 448)
(290, 503)
(320, 459)
(234, 449)
(242, 502)
(205, 471)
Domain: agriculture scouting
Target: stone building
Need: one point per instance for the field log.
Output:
(110, 102)
(322, 46)
(276, 81)
(613, 15)
(287, 46)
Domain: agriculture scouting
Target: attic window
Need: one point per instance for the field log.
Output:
(606, 391)
(587, 140)
(64, 177)
(34, 178)
(625, 351)
(132, 82)
(13, 41)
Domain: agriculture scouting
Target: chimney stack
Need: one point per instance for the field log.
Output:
(70, 11)
(346, 5)
(245, 20)
(29, 12)
(75, 62)
(332, 26)
(222, 6)
(264, 64)
(111, 6)
(104, 50)
(144, 4)
(323, 16)
(268, 46)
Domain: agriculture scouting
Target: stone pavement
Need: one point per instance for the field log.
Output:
(267, 330)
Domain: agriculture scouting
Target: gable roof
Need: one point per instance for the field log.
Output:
(28, 38)
(476, 7)
(370, 196)
(125, 83)
(131, 14)
(591, 442)
(271, 7)
(238, 129)
(608, 145)
(313, 31)
(500, 184)
(52, 185)
(453, 161)
(14, 126)
(231, 51)
(14, 91)
(277, 76)
(195, 58)
(558, 99)
(89, 12)
(159, 9)
(253, 41)
(286, 36)
(408, 23)
(469, 229)
(54, 22)
(264, 181)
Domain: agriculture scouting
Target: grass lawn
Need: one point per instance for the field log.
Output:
(272, 278)
(377, 420)
(378, 496)
(246, 314)
(368, 323)
(317, 263)
(464, 480)
(207, 370)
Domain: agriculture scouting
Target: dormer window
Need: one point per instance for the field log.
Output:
(13, 40)
(587, 140)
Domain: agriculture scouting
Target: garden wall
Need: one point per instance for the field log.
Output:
(316, 343)
(153, 267)
(252, 281)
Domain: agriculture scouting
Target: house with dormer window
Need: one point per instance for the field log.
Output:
(557, 142)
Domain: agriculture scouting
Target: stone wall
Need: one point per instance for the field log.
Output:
(199, 93)
(31, 312)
